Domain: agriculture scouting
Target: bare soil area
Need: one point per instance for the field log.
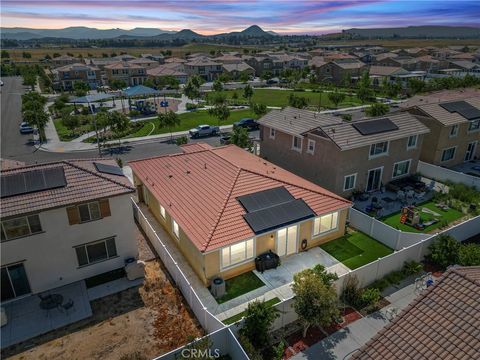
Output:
(141, 322)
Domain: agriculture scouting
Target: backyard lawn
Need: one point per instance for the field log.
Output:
(279, 98)
(445, 218)
(240, 285)
(356, 249)
(237, 317)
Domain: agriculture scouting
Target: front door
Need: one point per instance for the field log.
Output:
(287, 241)
(374, 179)
(470, 151)
(14, 282)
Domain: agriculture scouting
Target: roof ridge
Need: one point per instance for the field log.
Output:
(210, 235)
(458, 270)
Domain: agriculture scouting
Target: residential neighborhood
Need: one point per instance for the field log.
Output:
(305, 188)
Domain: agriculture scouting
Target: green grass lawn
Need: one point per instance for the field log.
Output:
(240, 285)
(272, 97)
(446, 217)
(356, 249)
(190, 120)
(65, 134)
(237, 317)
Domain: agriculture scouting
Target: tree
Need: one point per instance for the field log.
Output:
(298, 102)
(33, 111)
(216, 98)
(415, 86)
(119, 123)
(247, 92)
(259, 318)
(469, 255)
(220, 111)
(168, 120)
(365, 91)
(5, 54)
(29, 75)
(26, 55)
(117, 84)
(70, 121)
(444, 251)
(192, 89)
(81, 88)
(336, 97)
(217, 86)
(244, 77)
(258, 109)
(240, 137)
(315, 301)
(377, 109)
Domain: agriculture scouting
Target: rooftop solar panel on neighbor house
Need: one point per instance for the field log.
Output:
(109, 169)
(264, 199)
(32, 181)
(463, 108)
(377, 126)
(278, 216)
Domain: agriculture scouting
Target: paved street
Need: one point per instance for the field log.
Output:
(14, 144)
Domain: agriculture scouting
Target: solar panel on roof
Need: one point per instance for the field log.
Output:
(264, 199)
(377, 126)
(463, 108)
(108, 169)
(278, 216)
(32, 181)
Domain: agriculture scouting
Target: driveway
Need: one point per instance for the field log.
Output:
(295, 263)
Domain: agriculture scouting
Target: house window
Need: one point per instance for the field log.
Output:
(162, 211)
(21, 226)
(96, 251)
(14, 281)
(176, 229)
(412, 142)
(325, 223)
(297, 143)
(401, 168)
(454, 131)
(272, 133)
(474, 125)
(237, 253)
(311, 146)
(89, 212)
(448, 154)
(349, 182)
(379, 149)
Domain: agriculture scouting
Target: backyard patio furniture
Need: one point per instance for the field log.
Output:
(410, 194)
(67, 306)
(400, 195)
(50, 302)
(420, 195)
(388, 201)
(268, 260)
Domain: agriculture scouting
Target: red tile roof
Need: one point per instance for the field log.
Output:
(199, 188)
(84, 183)
(442, 323)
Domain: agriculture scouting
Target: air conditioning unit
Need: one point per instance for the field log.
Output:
(218, 287)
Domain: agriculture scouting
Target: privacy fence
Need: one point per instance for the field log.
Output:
(442, 174)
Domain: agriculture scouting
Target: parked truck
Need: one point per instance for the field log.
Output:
(204, 130)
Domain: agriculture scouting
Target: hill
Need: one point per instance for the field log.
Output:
(416, 32)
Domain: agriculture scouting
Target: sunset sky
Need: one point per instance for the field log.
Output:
(211, 16)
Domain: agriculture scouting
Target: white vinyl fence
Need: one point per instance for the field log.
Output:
(208, 321)
(442, 174)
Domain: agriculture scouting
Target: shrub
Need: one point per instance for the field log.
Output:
(469, 255)
(394, 277)
(181, 140)
(190, 106)
(370, 297)
(444, 251)
(380, 284)
(411, 268)
(351, 292)
(252, 353)
(347, 117)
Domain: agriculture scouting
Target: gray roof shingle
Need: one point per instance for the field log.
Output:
(445, 117)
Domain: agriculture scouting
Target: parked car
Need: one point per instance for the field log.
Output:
(204, 130)
(26, 128)
(225, 139)
(1, 82)
(247, 123)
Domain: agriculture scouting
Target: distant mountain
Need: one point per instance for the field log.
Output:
(254, 30)
(416, 32)
(77, 33)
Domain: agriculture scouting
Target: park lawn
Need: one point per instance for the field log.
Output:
(446, 217)
(237, 317)
(190, 120)
(240, 285)
(65, 134)
(356, 249)
(279, 98)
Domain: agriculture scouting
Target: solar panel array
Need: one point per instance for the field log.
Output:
(377, 126)
(32, 181)
(463, 108)
(108, 169)
(278, 216)
(264, 199)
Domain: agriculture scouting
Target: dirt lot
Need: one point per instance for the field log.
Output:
(150, 320)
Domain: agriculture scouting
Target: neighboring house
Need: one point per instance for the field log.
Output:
(63, 60)
(204, 67)
(131, 74)
(340, 71)
(454, 131)
(214, 203)
(144, 62)
(68, 75)
(235, 70)
(176, 70)
(63, 222)
(341, 156)
(262, 65)
(465, 67)
(159, 58)
(228, 59)
(391, 74)
(441, 323)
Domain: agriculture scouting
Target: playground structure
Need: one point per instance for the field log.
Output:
(411, 216)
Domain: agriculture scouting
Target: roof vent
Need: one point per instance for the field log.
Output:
(205, 166)
(170, 176)
(188, 172)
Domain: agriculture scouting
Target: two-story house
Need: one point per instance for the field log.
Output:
(62, 222)
(339, 71)
(131, 74)
(454, 130)
(203, 67)
(224, 206)
(68, 75)
(342, 156)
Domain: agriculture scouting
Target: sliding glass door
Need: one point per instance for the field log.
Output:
(14, 281)
(287, 241)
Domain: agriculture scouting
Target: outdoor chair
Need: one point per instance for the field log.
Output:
(400, 195)
(67, 306)
(410, 194)
(420, 196)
